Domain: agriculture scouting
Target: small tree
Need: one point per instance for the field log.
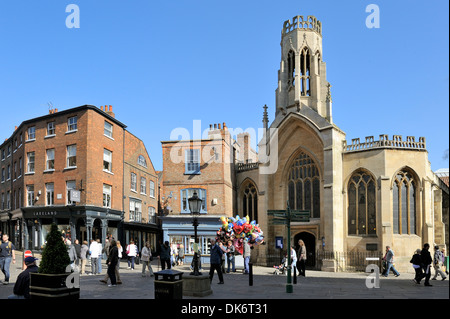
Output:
(55, 257)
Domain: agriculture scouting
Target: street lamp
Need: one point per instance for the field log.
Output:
(195, 204)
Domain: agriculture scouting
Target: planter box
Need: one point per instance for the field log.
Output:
(52, 286)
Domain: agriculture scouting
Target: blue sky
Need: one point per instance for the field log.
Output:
(163, 64)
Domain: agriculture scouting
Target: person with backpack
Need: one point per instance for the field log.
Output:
(7, 255)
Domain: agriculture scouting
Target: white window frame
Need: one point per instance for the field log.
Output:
(30, 195)
(69, 186)
(152, 189)
(108, 130)
(143, 186)
(50, 159)
(49, 194)
(31, 133)
(70, 154)
(30, 164)
(107, 160)
(107, 189)
(72, 124)
(133, 181)
(192, 161)
(51, 129)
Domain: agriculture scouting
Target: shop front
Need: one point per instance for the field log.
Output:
(74, 222)
(179, 232)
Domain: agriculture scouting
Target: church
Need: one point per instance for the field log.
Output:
(361, 195)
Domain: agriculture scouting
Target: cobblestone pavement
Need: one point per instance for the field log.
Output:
(266, 285)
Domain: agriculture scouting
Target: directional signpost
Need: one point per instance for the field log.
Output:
(285, 217)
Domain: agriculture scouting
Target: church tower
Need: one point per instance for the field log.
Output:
(302, 75)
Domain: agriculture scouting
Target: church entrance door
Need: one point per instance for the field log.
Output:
(310, 243)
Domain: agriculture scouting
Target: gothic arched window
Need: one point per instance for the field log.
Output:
(304, 185)
(305, 72)
(404, 203)
(291, 68)
(361, 204)
(250, 202)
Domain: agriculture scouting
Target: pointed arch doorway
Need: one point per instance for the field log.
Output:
(310, 243)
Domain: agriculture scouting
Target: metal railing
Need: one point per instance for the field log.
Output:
(344, 261)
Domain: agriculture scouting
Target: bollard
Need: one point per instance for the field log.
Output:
(250, 274)
(295, 275)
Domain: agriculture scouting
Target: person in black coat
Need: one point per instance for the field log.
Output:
(113, 259)
(22, 285)
(426, 261)
(416, 260)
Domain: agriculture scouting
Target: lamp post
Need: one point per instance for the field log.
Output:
(195, 204)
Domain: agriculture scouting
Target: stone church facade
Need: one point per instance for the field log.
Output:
(362, 195)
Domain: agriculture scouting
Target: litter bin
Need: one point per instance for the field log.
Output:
(170, 286)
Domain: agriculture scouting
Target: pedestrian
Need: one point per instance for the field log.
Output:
(224, 250)
(7, 255)
(437, 263)
(22, 286)
(84, 255)
(173, 254)
(301, 258)
(165, 255)
(72, 254)
(107, 247)
(131, 253)
(113, 259)
(390, 262)
(294, 259)
(426, 263)
(93, 251)
(230, 257)
(247, 253)
(100, 256)
(444, 259)
(77, 246)
(215, 261)
(180, 260)
(416, 261)
(146, 258)
(120, 251)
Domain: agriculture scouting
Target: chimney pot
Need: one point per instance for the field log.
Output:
(110, 108)
(219, 126)
(215, 126)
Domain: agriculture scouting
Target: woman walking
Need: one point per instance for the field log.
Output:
(112, 261)
(146, 259)
(301, 258)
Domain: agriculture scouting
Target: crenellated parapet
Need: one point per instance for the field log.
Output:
(300, 23)
(396, 142)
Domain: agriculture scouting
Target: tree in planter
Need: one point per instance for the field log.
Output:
(55, 257)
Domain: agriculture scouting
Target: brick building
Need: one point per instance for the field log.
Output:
(207, 167)
(66, 167)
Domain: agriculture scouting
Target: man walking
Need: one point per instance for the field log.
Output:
(247, 252)
(7, 254)
(22, 286)
(216, 261)
(426, 260)
(390, 262)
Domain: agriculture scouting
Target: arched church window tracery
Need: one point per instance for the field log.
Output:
(404, 192)
(250, 201)
(304, 185)
(361, 204)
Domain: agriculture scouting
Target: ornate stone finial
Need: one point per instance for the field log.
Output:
(328, 97)
(265, 116)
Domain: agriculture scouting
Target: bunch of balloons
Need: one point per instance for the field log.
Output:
(237, 230)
